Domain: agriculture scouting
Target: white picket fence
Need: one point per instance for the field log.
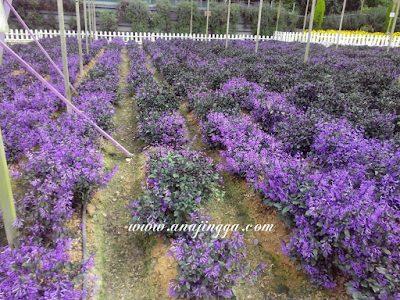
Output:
(22, 36)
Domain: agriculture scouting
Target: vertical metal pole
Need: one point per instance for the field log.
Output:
(191, 16)
(64, 51)
(248, 3)
(394, 25)
(390, 19)
(258, 24)
(279, 12)
(6, 197)
(86, 26)
(94, 19)
(78, 28)
(305, 16)
(208, 15)
(227, 23)
(341, 22)
(310, 30)
(294, 5)
(90, 20)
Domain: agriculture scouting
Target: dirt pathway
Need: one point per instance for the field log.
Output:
(122, 264)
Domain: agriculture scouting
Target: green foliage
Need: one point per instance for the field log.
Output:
(373, 20)
(122, 11)
(108, 21)
(138, 13)
(319, 14)
(161, 21)
(183, 11)
(218, 19)
(287, 19)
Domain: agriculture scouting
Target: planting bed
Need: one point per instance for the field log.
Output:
(227, 136)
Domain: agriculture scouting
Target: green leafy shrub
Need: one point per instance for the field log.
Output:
(319, 14)
(161, 21)
(219, 14)
(122, 11)
(138, 13)
(176, 183)
(108, 21)
(183, 11)
(287, 19)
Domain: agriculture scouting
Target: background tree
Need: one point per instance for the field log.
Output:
(319, 14)
(108, 21)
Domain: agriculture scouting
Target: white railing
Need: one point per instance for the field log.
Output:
(22, 36)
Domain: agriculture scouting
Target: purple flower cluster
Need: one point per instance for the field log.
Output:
(63, 170)
(176, 183)
(159, 121)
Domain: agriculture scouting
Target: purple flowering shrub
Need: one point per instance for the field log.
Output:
(167, 128)
(320, 204)
(32, 271)
(210, 267)
(176, 182)
(62, 169)
(159, 123)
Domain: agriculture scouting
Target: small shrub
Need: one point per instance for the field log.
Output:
(108, 21)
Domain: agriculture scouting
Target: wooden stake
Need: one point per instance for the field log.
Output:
(258, 24)
(340, 25)
(78, 28)
(394, 25)
(64, 51)
(6, 198)
(305, 16)
(191, 16)
(208, 15)
(90, 20)
(310, 30)
(279, 12)
(94, 19)
(86, 26)
(227, 23)
(390, 19)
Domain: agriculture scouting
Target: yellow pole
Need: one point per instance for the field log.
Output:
(64, 52)
(310, 30)
(394, 25)
(6, 198)
(340, 25)
(258, 24)
(78, 28)
(227, 23)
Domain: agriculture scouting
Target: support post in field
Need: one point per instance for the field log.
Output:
(279, 12)
(227, 23)
(305, 16)
(64, 51)
(94, 19)
(340, 25)
(248, 3)
(89, 17)
(6, 198)
(391, 16)
(86, 26)
(191, 16)
(208, 15)
(258, 24)
(294, 5)
(78, 28)
(394, 25)
(310, 30)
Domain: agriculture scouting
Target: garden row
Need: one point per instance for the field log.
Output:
(61, 170)
(318, 141)
(178, 180)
